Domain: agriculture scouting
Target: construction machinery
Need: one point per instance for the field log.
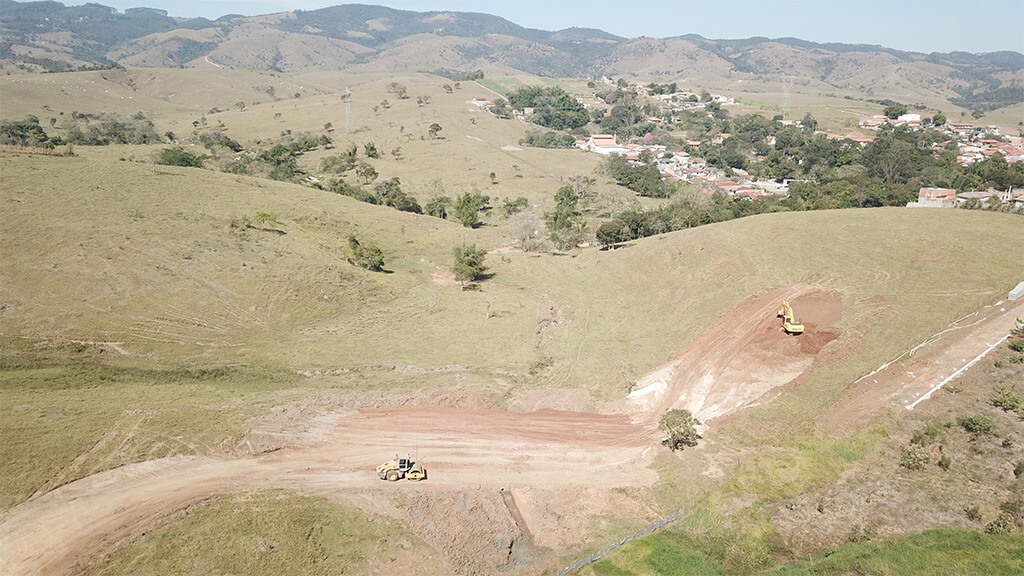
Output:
(789, 323)
(401, 467)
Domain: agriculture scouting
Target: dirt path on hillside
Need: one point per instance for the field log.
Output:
(898, 385)
(742, 357)
(475, 451)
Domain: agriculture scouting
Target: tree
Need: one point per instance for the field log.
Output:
(467, 208)
(438, 207)
(553, 107)
(433, 130)
(370, 149)
(612, 233)
(398, 90)
(939, 119)
(365, 255)
(894, 111)
(809, 124)
(526, 227)
(366, 172)
(564, 224)
(681, 428)
(469, 262)
(391, 194)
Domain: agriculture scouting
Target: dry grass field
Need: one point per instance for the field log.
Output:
(141, 320)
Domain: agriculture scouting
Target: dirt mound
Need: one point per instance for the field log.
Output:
(743, 356)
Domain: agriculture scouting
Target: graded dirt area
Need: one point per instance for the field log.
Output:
(742, 357)
(470, 455)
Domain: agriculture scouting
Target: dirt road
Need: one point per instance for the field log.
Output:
(901, 384)
(65, 529)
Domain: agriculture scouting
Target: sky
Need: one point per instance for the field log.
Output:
(914, 25)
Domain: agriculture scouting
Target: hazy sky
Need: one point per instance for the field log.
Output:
(917, 25)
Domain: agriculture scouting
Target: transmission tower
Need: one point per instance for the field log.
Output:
(348, 111)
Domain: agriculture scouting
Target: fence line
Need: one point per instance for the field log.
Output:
(641, 532)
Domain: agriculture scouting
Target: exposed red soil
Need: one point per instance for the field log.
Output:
(742, 357)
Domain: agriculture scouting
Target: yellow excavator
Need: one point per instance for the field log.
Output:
(789, 323)
(401, 467)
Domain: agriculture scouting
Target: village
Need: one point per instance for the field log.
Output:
(973, 144)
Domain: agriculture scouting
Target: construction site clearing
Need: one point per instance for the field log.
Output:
(564, 466)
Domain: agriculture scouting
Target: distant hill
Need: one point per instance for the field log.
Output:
(48, 36)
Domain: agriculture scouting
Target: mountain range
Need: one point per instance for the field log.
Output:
(49, 36)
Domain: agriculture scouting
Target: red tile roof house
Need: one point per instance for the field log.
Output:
(934, 198)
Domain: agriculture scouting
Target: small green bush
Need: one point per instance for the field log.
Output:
(365, 255)
(914, 457)
(1006, 399)
(977, 425)
(1017, 345)
(180, 157)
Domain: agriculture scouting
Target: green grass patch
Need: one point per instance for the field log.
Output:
(267, 533)
(794, 468)
(931, 553)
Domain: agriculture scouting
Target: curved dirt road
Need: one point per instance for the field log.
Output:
(65, 529)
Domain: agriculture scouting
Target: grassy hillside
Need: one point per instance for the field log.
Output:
(142, 317)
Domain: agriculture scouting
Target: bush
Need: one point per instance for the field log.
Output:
(365, 255)
(469, 262)
(977, 425)
(930, 433)
(1006, 399)
(179, 157)
(914, 457)
(1017, 345)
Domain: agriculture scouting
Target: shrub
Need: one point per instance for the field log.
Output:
(469, 262)
(914, 457)
(1006, 399)
(365, 255)
(977, 425)
(1017, 345)
(930, 433)
(180, 157)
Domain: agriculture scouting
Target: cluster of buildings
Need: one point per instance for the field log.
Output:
(682, 167)
(974, 143)
(949, 198)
